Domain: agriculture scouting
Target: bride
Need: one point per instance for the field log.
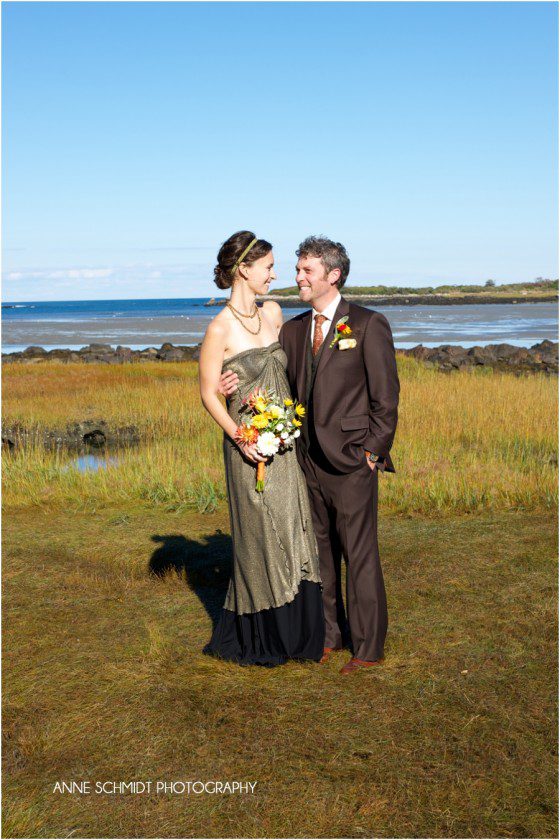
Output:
(273, 608)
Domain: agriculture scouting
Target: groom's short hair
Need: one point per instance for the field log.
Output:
(332, 255)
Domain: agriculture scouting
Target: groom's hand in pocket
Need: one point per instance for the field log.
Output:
(228, 383)
(377, 465)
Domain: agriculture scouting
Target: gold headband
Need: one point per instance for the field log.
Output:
(243, 255)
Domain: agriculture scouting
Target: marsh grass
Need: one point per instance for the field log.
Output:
(466, 441)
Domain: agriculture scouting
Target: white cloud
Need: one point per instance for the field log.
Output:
(132, 280)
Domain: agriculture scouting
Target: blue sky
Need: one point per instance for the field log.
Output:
(138, 136)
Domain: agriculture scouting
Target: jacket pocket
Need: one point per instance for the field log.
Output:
(357, 421)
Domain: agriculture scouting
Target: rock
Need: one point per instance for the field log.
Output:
(63, 355)
(419, 352)
(542, 356)
(172, 355)
(521, 356)
(95, 438)
(448, 357)
(482, 355)
(123, 352)
(504, 351)
(546, 345)
(97, 348)
(34, 351)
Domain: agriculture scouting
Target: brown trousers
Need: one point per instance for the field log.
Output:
(344, 511)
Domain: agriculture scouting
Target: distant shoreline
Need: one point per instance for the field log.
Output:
(294, 302)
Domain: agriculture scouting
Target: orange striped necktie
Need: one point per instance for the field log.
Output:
(318, 334)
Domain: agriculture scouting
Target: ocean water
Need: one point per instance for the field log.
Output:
(150, 323)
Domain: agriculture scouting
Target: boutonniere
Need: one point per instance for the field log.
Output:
(342, 335)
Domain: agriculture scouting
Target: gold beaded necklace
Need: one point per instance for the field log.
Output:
(252, 315)
(236, 315)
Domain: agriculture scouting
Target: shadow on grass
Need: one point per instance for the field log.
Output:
(206, 565)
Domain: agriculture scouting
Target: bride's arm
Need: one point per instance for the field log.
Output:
(209, 370)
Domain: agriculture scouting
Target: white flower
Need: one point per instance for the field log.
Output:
(268, 443)
(296, 433)
(279, 427)
(284, 435)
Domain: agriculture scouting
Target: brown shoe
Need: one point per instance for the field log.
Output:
(326, 654)
(357, 665)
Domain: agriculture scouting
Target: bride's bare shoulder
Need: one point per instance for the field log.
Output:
(273, 312)
(218, 330)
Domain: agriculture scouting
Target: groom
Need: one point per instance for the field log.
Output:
(342, 366)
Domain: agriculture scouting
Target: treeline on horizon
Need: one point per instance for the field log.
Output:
(538, 285)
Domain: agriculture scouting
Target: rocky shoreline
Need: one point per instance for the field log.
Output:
(541, 357)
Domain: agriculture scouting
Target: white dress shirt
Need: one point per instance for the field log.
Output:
(328, 312)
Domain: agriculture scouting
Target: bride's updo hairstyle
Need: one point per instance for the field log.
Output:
(232, 250)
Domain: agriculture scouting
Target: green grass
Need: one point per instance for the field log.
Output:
(454, 736)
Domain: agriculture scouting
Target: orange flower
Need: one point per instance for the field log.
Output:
(246, 434)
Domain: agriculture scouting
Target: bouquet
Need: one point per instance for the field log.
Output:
(271, 423)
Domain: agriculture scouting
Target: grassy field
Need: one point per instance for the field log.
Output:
(468, 441)
(112, 581)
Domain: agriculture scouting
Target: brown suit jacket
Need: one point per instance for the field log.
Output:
(355, 391)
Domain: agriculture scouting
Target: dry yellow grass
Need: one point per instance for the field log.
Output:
(466, 441)
(112, 580)
(455, 736)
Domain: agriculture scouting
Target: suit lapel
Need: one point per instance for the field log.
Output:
(341, 310)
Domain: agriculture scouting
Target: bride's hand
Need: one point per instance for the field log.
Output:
(251, 453)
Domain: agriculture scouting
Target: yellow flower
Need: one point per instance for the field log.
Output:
(260, 404)
(296, 422)
(300, 410)
(259, 421)
(288, 402)
(275, 411)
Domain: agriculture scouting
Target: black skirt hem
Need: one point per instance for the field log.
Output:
(271, 637)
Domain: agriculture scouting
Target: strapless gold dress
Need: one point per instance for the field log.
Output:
(273, 608)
